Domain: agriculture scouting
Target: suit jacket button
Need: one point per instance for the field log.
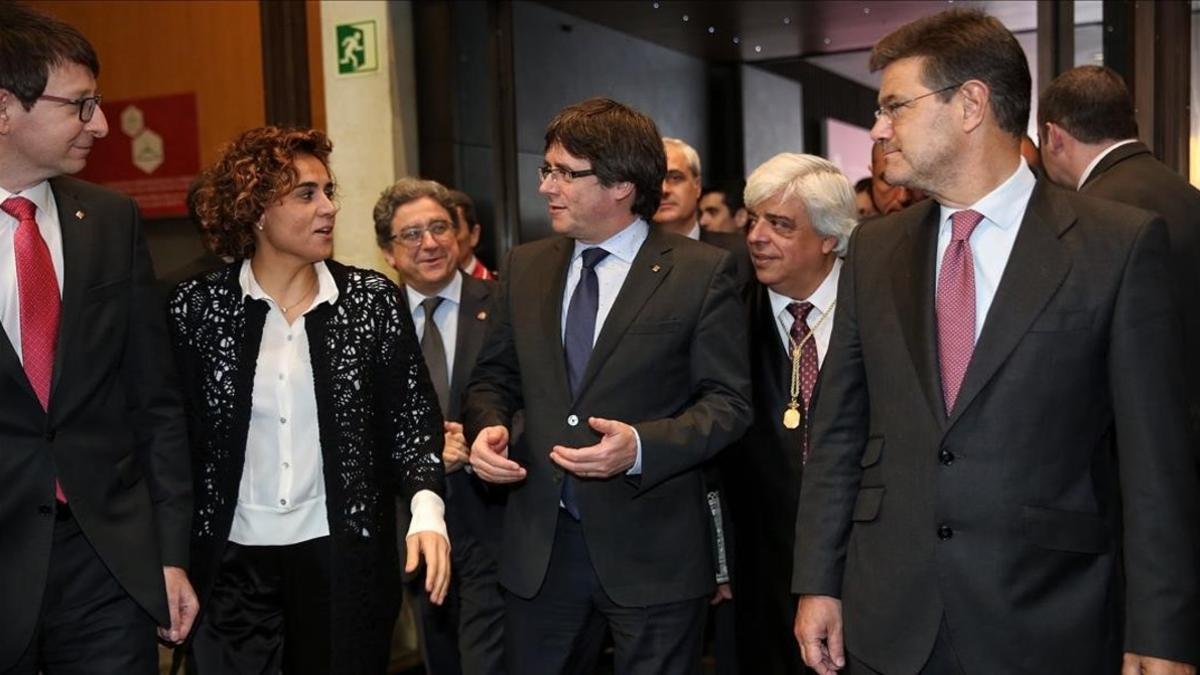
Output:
(46, 510)
(50, 436)
(946, 457)
(944, 532)
(572, 420)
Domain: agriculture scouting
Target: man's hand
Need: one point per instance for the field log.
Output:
(723, 593)
(454, 452)
(182, 604)
(436, 551)
(614, 454)
(489, 457)
(1136, 664)
(818, 629)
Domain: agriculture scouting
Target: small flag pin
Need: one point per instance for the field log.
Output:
(655, 268)
(79, 215)
(481, 316)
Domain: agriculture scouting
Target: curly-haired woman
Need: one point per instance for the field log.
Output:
(309, 411)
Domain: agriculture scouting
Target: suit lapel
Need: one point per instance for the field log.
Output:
(79, 228)
(557, 265)
(650, 267)
(913, 288)
(472, 320)
(1035, 269)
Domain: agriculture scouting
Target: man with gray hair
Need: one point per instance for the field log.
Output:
(801, 213)
(451, 310)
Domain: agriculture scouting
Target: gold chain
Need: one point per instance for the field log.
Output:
(794, 389)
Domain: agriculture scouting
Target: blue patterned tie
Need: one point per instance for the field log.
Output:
(577, 344)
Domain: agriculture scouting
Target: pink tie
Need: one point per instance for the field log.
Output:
(37, 289)
(956, 305)
(808, 363)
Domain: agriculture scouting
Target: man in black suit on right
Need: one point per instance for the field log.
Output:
(1089, 143)
(625, 346)
(1000, 478)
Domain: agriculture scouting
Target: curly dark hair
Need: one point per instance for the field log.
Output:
(254, 171)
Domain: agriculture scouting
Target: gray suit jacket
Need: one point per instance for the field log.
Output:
(1013, 516)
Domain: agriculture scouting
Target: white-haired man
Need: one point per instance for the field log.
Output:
(801, 213)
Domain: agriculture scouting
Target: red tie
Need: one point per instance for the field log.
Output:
(956, 305)
(808, 363)
(37, 289)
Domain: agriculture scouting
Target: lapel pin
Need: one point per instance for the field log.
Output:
(655, 268)
(79, 215)
(481, 316)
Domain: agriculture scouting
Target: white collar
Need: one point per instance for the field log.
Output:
(452, 291)
(1005, 205)
(624, 245)
(326, 288)
(39, 194)
(694, 233)
(822, 299)
(1087, 171)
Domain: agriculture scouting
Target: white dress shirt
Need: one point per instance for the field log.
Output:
(622, 248)
(281, 497)
(822, 300)
(694, 233)
(993, 239)
(445, 317)
(48, 225)
(1087, 171)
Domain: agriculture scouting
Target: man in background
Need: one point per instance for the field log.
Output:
(886, 197)
(468, 231)
(415, 228)
(1089, 143)
(721, 208)
(95, 512)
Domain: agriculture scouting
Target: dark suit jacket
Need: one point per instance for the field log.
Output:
(472, 507)
(1131, 175)
(670, 360)
(762, 484)
(115, 434)
(1006, 518)
(736, 245)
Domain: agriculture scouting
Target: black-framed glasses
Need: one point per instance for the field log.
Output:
(87, 104)
(563, 176)
(411, 237)
(889, 110)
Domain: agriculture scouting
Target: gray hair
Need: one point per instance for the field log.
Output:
(407, 190)
(689, 153)
(819, 184)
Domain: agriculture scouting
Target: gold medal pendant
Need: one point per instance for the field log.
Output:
(791, 417)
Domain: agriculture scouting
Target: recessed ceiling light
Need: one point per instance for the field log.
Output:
(757, 48)
(685, 18)
(866, 10)
(737, 40)
(828, 41)
(787, 20)
(654, 5)
(712, 29)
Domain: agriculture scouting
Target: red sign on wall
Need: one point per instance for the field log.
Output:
(151, 153)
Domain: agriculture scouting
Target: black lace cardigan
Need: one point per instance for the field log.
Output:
(380, 432)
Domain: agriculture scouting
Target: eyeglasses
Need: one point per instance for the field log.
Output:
(412, 236)
(87, 104)
(890, 110)
(563, 176)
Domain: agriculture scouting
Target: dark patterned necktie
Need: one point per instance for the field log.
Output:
(956, 305)
(434, 351)
(37, 290)
(577, 344)
(809, 367)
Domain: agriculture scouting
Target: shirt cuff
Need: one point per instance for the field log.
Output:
(636, 469)
(428, 514)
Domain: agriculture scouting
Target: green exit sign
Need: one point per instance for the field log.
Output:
(357, 48)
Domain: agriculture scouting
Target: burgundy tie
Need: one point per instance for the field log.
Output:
(37, 289)
(808, 363)
(956, 305)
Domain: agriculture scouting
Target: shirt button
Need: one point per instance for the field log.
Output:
(289, 338)
(281, 377)
(946, 457)
(286, 465)
(572, 420)
(283, 420)
(283, 502)
(945, 532)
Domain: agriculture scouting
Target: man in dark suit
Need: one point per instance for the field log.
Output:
(801, 213)
(625, 347)
(1089, 140)
(721, 208)
(96, 503)
(1000, 478)
(415, 228)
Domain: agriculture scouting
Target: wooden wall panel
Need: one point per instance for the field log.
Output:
(210, 47)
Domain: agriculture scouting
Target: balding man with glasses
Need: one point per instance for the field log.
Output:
(95, 504)
(625, 347)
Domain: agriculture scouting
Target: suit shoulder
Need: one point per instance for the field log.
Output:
(1144, 181)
